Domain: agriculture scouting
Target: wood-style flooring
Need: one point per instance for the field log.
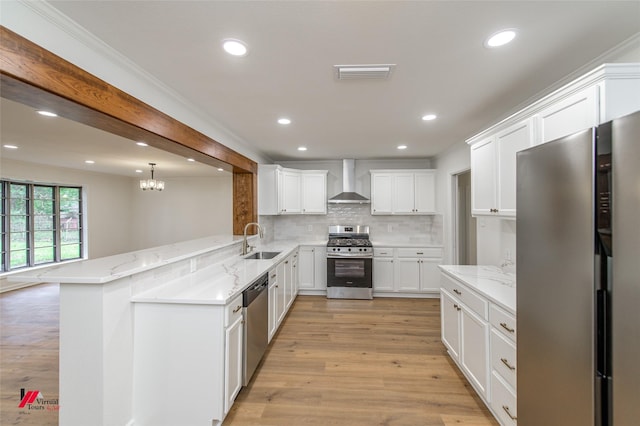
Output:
(29, 349)
(333, 362)
(359, 362)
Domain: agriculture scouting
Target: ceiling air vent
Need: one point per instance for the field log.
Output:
(359, 72)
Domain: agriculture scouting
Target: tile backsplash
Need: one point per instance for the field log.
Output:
(383, 229)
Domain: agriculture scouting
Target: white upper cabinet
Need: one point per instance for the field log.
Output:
(314, 193)
(607, 92)
(508, 143)
(483, 177)
(381, 193)
(493, 169)
(290, 191)
(575, 113)
(403, 192)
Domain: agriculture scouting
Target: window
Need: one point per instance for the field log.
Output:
(40, 224)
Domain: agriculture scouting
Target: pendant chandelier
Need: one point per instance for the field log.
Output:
(151, 184)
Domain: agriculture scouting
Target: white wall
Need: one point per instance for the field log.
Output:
(121, 218)
(451, 162)
(187, 209)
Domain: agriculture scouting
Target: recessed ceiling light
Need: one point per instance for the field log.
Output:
(402, 147)
(142, 144)
(47, 113)
(234, 47)
(138, 171)
(500, 38)
(191, 160)
(89, 161)
(302, 148)
(284, 121)
(221, 170)
(429, 117)
(10, 146)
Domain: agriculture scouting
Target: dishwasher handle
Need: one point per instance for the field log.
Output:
(254, 290)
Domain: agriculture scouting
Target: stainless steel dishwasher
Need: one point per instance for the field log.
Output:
(255, 302)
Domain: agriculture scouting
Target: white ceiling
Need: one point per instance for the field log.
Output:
(65, 143)
(442, 66)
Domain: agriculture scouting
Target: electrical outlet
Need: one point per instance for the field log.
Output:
(310, 228)
(507, 254)
(389, 228)
(193, 265)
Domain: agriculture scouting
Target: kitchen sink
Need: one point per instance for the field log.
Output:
(263, 255)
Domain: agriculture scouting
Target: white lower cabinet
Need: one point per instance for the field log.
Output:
(474, 349)
(503, 401)
(480, 338)
(406, 270)
(273, 302)
(233, 359)
(312, 270)
(283, 289)
(187, 362)
(466, 335)
(383, 275)
(450, 321)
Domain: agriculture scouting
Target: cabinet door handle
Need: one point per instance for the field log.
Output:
(419, 252)
(273, 276)
(506, 409)
(458, 292)
(237, 309)
(286, 262)
(506, 327)
(506, 362)
(457, 307)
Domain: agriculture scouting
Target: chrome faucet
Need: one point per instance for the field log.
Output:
(246, 248)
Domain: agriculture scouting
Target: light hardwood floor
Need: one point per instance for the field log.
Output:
(357, 362)
(333, 362)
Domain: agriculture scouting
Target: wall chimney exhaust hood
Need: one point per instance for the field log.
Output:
(348, 194)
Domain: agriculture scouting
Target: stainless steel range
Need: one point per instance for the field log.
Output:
(349, 262)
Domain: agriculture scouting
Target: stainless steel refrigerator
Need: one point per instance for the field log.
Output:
(578, 278)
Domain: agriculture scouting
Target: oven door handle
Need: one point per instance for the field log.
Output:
(349, 256)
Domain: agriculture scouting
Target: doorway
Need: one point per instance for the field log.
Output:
(464, 223)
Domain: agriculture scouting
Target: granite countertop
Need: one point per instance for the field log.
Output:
(219, 283)
(490, 281)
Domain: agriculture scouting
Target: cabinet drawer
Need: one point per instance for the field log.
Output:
(233, 311)
(474, 302)
(503, 401)
(503, 321)
(420, 252)
(382, 252)
(503, 357)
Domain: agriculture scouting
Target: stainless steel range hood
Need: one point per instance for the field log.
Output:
(348, 194)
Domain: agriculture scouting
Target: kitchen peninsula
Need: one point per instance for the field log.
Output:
(98, 318)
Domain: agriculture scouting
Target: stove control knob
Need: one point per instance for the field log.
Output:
(349, 249)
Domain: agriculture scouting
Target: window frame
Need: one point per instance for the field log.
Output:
(57, 228)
